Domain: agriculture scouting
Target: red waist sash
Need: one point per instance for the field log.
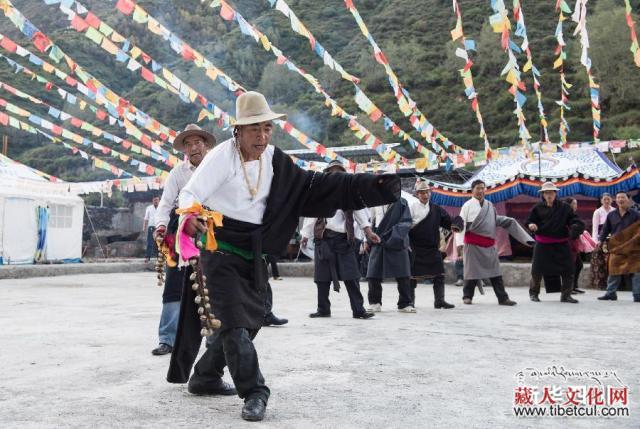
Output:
(544, 239)
(478, 240)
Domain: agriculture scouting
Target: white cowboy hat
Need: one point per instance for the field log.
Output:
(548, 186)
(421, 185)
(252, 108)
(193, 130)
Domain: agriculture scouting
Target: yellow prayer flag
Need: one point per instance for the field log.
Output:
(511, 78)
(527, 65)
(557, 63)
(456, 33)
(212, 73)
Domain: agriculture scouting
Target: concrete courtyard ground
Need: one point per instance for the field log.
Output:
(75, 352)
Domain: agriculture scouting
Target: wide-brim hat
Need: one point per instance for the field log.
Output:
(252, 108)
(421, 185)
(548, 186)
(335, 163)
(193, 130)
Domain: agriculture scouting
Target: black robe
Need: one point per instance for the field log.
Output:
(390, 258)
(560, 222)
(426, 259)
(238, 299)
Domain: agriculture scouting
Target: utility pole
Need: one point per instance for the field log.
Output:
(5, 145)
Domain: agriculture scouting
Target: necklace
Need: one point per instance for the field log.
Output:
(253, 190)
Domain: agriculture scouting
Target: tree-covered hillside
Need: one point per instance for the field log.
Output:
(415, 37)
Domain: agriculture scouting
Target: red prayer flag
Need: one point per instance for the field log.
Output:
(41, 41)
(71, 81)
(146, 74)
(56, 129)
(106, 150)
(79, 24)
(288, 127)
(76, 122)
(92, 20)
(125, 6)
(187, 53)
(126, 144)
(4, 119)
(146, 140)
(150, 170)
(101, 114)
(395, 129)
(226, 12)
(474, 104)
(375, 115)
(8, 44)
(349, 4)
(48, 86)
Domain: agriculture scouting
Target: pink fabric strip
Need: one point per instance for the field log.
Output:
(186, 245)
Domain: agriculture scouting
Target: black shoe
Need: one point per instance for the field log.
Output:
(318, 314)
(577, 290)
(254, 409)
(569, 300)
(608, 297)
(443, 304)
(364, 315)
(162, 349)
(636, 298)
(534, 298)
(508, 302)
(270, 319)
(211, 388)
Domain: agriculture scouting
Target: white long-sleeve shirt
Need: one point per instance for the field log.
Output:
(219, 183)
(377, 214)
(599, 217)
(178, 178)
(335, 223)
(470, 211)
(419, 211)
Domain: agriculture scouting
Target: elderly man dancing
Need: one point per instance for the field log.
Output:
(261, 194)
(480, 254)
(554, 222)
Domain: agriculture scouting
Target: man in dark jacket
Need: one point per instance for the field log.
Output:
(390, 257)
(426, 259)
(553, 222)
(260, 194)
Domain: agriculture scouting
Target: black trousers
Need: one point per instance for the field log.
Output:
(438, 290)
(268, 301)
(577, 270)
(353, 290)
(273, 261)
(233, 348)
(498, 287)
(404, 291)
(565, 288)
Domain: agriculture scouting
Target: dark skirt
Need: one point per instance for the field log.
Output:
(336, 250)
(426, 262)
(552, 259)
(599, 269)
(235, 298)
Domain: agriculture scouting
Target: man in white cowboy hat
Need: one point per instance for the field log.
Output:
(424, 237)
(480, 220)
(261, 194)
(194, 142)
(335, 255)
(554, 223)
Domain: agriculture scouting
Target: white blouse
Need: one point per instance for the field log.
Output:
(599, 217)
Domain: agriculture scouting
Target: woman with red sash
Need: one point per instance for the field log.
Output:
(554, 224)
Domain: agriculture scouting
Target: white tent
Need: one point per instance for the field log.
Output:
(39, 220)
